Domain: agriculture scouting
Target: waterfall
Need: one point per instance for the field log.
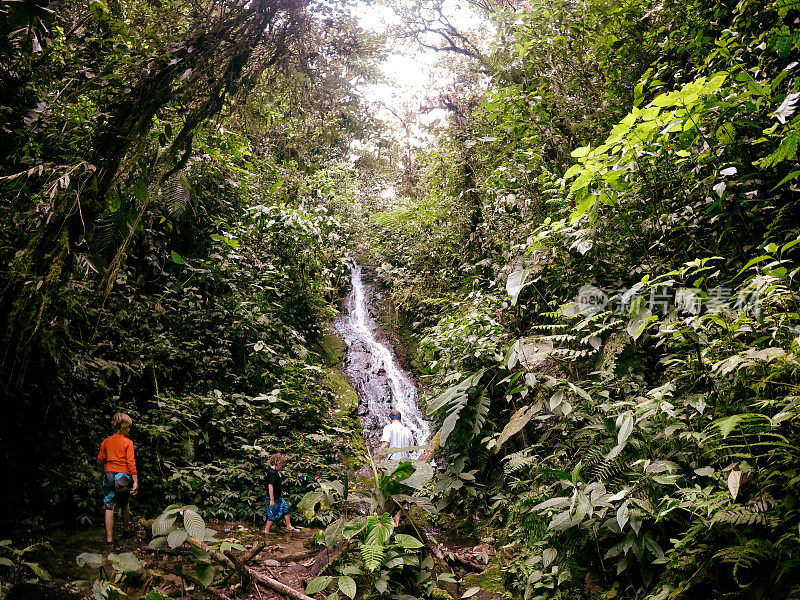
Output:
(372, 367)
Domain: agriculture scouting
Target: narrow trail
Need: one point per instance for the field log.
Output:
(372, 367)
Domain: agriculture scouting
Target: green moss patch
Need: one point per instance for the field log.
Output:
(489, 580)
(332, 348)
(346, 398)
(346, 415)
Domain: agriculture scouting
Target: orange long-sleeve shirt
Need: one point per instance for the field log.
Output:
(116, 451)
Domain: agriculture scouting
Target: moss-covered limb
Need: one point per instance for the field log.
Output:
(30, 294)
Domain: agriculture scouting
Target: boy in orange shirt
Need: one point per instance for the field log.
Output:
(120, 479)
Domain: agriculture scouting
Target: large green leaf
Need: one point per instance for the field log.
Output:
(125, 562)
(347, 586)
(734, 480)
(38, 571)
(423, 473)
(625, 430)
(516, 281)
(87, 559)
(638, 322)
(334, 532)
(163, 524)
(354, 527)
(194, 524)
(176, 537)
(409, 542)
(200, 554)
(309, 503)
(516, 423)
(205, 574)
(450, 422)
(318, 584)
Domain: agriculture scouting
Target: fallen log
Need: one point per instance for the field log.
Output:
(253, 552)
(263, 580)
(296, 557)
(279, 587)
(326, 557)
(197, 583)
(245, 574)
(454, 558)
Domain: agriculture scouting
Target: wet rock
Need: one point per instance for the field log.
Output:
(372, 367)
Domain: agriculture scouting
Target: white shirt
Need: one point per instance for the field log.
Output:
(398, 436)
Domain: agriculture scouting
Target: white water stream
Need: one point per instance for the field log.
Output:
(372, 367)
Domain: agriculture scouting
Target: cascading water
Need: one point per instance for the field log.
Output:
(379, 381)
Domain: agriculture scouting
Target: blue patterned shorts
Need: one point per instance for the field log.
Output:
(116, 489)
(280, 509)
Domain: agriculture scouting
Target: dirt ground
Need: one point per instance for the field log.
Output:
(283, 558)
(286, 557)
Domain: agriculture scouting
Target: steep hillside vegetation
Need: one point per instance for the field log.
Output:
(602, 273)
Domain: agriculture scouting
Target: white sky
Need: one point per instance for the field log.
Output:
(409, 70)
(412, 78)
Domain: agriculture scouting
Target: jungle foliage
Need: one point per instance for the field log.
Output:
(601, 271)
(177, 209)
(598, 261)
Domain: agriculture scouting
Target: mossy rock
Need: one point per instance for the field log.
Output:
(489, 580)
(346, 397)
(332, 348)
(345, 409)
(420, 516)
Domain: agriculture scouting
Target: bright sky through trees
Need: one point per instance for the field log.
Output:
(414, 76)
(409, 71)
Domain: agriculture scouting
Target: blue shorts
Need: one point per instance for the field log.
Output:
(280, 509)
(116, 489)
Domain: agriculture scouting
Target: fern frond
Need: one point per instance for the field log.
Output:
(613, 348)
(175, 193)
(595, 455)
(372, 556)
(741, 515)
(609, 470)
(84, 265)
(518, 461)
(749, 554)
(481, 412)
(373, 550)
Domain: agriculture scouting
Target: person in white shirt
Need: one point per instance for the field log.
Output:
(396, 435)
